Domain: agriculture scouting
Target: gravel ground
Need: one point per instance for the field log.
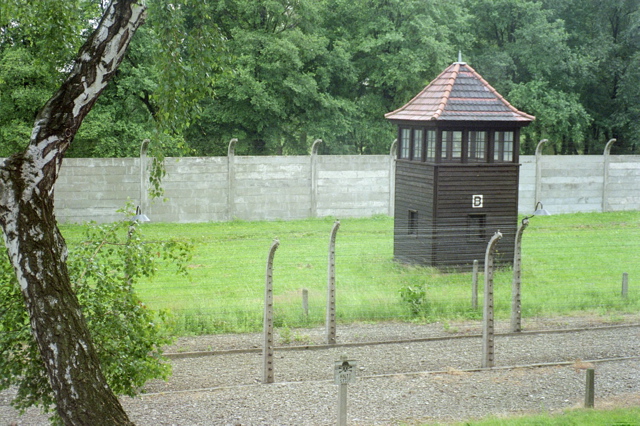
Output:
(405, 382)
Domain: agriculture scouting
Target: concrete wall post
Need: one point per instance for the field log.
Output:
(538, 193)
(605, 175)
(314, 178)
(231, 179)
(144, 177)
(392, 177)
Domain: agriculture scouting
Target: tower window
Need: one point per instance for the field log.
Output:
(503, 147)
(477, 227)
(431, 145)
(417, 144)
(405, 143)
(477, 146)
(413, 222)
(451, 145)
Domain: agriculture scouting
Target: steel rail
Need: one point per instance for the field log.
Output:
(403, 374)
(197, 354)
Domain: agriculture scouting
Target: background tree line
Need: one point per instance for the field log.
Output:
(278, 74)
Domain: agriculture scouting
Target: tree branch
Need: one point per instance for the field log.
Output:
(59, 120)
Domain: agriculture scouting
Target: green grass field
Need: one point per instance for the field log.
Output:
(619, 417)
(571, 263)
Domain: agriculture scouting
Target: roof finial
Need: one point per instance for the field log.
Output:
(459, 55)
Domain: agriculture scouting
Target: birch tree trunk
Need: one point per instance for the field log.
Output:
(35, 246)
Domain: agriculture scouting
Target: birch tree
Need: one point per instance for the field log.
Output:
(36, 248)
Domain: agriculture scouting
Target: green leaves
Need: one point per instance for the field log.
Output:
(389, 51)
(567, 62)
(187, 47)
(127, 334)
(414, 298)
(560, 117)
(278, 74)
(52, 30)
(24, 87)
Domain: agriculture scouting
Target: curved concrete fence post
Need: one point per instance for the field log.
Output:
(144, 194)
(314, 178)
(539, 172)
(605, 174)
(516, 284)
(231, 178)
(268, 345)
(487, 312)
(392, 177)
(330, 322)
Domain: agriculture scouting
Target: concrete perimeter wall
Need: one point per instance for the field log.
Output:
(580, 183)
(296, 187)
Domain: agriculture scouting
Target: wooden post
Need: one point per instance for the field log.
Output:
(516, 305)
(625, 285)
(267, 347)
(487, 313)
(474, 286)
(589, 395)
(305, 303)
(331, 287)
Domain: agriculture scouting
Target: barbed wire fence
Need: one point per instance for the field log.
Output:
(568, 268)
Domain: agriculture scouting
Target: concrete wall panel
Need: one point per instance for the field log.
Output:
(201, 189)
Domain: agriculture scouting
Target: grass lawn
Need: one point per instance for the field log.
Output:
(571, 263)
(620, 417)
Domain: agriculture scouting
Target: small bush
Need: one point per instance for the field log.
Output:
(128, 336)
(415, 299)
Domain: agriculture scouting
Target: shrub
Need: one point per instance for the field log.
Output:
(415, 299)
(127, 335)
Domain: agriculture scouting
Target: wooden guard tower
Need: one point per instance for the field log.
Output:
(456, 172)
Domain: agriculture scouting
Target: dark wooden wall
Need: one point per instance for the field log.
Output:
(458, 242)
(415, 186)
(450, 231)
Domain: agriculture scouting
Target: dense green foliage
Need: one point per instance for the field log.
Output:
(105, 265)
(278, 74)
(572, 264)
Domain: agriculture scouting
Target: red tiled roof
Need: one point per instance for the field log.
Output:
(459, 93)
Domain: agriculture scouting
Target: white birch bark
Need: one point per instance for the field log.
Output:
(36, 248)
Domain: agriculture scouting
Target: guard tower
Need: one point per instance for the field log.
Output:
(457, 171)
